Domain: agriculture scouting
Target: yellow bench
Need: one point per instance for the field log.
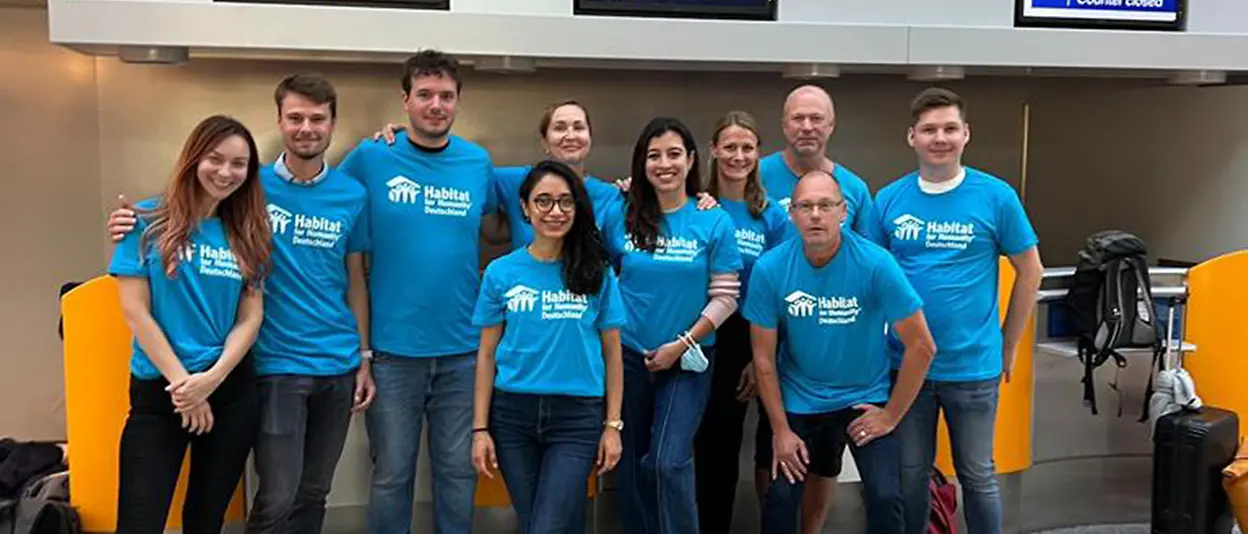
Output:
(97, 377)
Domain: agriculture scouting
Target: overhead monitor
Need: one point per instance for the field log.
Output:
(698, 9)
(1102, 14)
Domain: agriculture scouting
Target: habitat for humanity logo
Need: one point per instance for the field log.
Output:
(437, 200)
(279, 218)
(801, 304)
(829, 310)
(521, 299)
(908, 227)
(751, 242)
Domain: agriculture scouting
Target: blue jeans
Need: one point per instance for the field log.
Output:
(971, 413)
(546, 446)
(662, 412)
(826, 436)
(303, 426)
(409, 390)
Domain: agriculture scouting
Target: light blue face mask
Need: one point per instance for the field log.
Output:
(693, 359)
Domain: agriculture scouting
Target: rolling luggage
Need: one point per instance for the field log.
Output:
(1190, 450)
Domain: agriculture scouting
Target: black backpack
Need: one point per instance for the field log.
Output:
(1111, 306)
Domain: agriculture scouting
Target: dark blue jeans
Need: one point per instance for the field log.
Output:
(411, 392)
(303, 426)
(971, 414)
(826, 436)
(546, 446)
(662, 412)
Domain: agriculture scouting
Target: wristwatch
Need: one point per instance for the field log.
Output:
(366, 354)
(617, 424)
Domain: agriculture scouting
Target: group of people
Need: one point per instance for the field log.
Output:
(628, 328)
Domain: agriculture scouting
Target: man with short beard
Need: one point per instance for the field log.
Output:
(310, 356)
(427, 194)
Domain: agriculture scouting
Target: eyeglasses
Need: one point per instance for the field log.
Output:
(545, 203)
(806, 207)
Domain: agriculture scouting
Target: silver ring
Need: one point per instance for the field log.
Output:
(862, 433)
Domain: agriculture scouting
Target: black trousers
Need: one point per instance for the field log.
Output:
(153, 445)
(717, 445)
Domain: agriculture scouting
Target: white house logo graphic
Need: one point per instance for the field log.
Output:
(187, 254)
(521, 299)
(403, 190)
(785, 202)
(908, 227)
(278, 218)
(801, 304)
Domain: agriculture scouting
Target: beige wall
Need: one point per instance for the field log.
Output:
(76, 131)
(49, 156)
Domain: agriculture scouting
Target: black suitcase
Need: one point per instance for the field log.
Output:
(1190, 449)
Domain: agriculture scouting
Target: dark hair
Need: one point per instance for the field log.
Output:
(584, 256)
(935, 98)
(549, 113)
(431, 63)
(309, 86)
(243, 213)
(755, 196)
(644, 214)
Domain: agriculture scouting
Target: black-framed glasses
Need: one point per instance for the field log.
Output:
(545, 203)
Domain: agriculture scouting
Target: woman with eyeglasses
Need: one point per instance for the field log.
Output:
(549, 373)
(679, 281)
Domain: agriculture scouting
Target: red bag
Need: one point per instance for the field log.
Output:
(943, 513)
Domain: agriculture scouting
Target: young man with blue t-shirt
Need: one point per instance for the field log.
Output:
(310, 354)
(427, 194)
(831, 293)
(948, 225)
(808, 121)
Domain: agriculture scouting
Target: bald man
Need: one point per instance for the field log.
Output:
(808, 122)
(830, 294)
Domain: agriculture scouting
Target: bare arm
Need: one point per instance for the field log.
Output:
(136, 305)
(494, 229)
(763, 343)
(484, 385)
(1029, 272)
(357, 295)
(614, 359)
(243, 335)
(920, 349)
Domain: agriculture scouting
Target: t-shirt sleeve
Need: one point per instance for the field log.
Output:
(611, 315)
(864, 218)
(360, 239)
(725, 256)
(613, 231)
(779, 227)
(873, 225)
(1014, 231)
(127, 259)
(760, 300)
(491, 191)
(896, 296)
(490, 306)
(354, 164)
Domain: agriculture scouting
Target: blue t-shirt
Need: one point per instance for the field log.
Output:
(756, 235)
(196, 309)
(308, 327)
(602, 196)
(949, 245)
(552, 338)
(425, 209)
(832, 318)
(664, 291)
(779, 181)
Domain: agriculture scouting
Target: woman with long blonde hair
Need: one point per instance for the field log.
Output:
(190, 285)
